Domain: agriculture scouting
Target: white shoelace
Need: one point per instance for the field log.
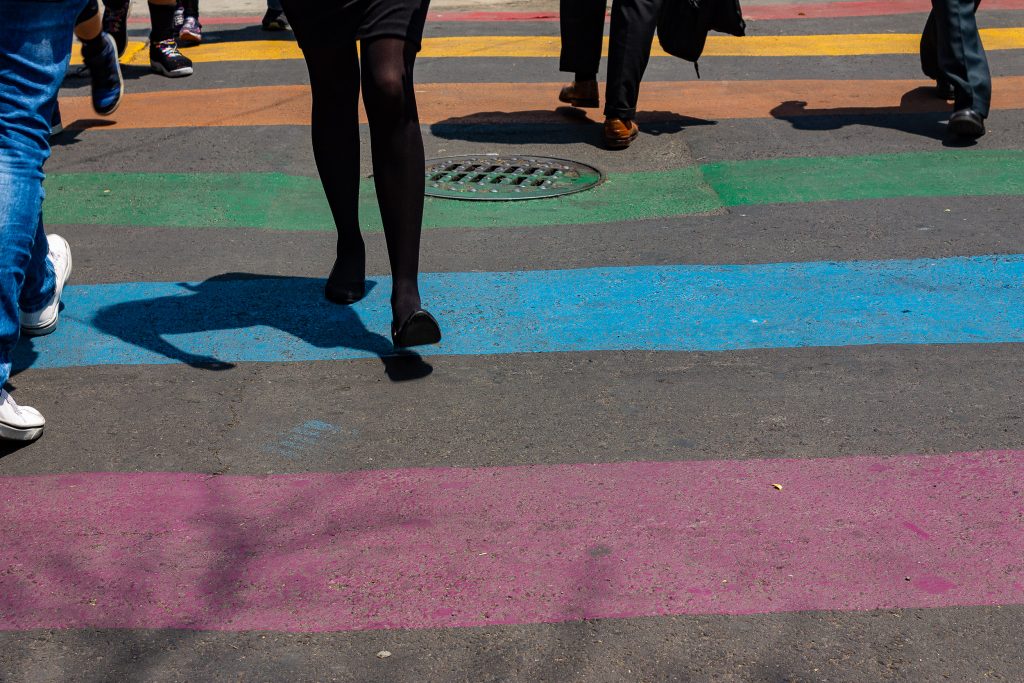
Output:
(6, 398)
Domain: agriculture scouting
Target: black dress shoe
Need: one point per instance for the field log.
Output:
(967, 123)
(418, 329)
(944, 90)
(338, 292)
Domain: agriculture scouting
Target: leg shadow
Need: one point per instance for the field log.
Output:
(920, 112)
(234, 301)
(561, 126)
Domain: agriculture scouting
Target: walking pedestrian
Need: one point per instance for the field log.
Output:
(389, 34)
(633, 24)
(35, 47)
(164, 56)
(99, 56)
(952, 54)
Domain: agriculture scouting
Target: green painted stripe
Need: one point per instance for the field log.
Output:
(281, 202)
(879, 176)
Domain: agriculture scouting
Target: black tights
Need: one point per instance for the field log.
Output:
(396, 146)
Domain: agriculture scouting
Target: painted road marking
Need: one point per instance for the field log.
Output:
(439, 548)
(803, 10)
(298, 440)
(233, 200)
(827, 45)
(255, 318)
(456, 104)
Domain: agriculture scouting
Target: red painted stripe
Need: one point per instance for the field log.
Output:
(858, 8)
(822, 10)
(469, 547)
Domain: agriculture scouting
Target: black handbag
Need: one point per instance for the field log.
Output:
(683, 25)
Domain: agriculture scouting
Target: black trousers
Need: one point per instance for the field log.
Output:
(632, 33)
(951, 51)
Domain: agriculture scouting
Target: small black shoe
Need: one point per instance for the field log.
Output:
(166, 59)
(967, 123)
(105, 72)
(944, 90)
(338, 291)
(418, 329)
(274, 20)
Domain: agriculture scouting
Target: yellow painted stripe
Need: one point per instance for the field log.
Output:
(548, 46)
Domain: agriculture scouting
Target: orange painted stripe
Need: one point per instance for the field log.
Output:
(504, 103)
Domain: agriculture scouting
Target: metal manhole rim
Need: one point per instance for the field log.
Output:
(509, 197)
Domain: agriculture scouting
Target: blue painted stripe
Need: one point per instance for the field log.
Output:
(239, 317)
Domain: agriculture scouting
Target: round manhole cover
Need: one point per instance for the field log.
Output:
(507, 178)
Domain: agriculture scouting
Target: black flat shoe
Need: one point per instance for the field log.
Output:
(418, 329)
(944, 90)
(967, 123)
(343, 293)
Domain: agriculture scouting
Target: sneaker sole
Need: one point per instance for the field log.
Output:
(9, 433)
(177, 73)
(186, 39)
(50, 326)
(120, 83)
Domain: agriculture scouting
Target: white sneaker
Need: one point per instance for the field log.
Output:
(45, 321)
(19, 423)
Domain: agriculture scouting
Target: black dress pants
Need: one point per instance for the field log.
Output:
(632, 34)
(951, 51)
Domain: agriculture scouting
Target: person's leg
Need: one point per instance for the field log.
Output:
(929, 51)
(632, 32)
(334, 82)
(88, 25)
(961, 57)
(274, 19)
(99, 52)
(34, 51)
(115, 22)
(930, 60)
(582, 27)
(397, 150)
(191, 31)
(164, 56)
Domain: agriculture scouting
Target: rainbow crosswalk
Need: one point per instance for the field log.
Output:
(764, 379)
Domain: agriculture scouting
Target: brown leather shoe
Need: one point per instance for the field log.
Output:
(581, 94)
(619, 133)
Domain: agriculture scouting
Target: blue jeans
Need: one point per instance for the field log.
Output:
(35, 45)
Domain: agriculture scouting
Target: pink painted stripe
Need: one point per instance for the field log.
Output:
(472, 547)
(822, 10)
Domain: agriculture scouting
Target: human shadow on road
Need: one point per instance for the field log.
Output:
(920, 112)
(294, 305)
(561, 126)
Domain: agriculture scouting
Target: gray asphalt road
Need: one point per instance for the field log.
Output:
(543, 408)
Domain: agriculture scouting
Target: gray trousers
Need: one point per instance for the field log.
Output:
(951, 51)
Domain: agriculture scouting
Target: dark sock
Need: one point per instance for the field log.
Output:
(162, 18)
(93, 46)
(580, 78)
